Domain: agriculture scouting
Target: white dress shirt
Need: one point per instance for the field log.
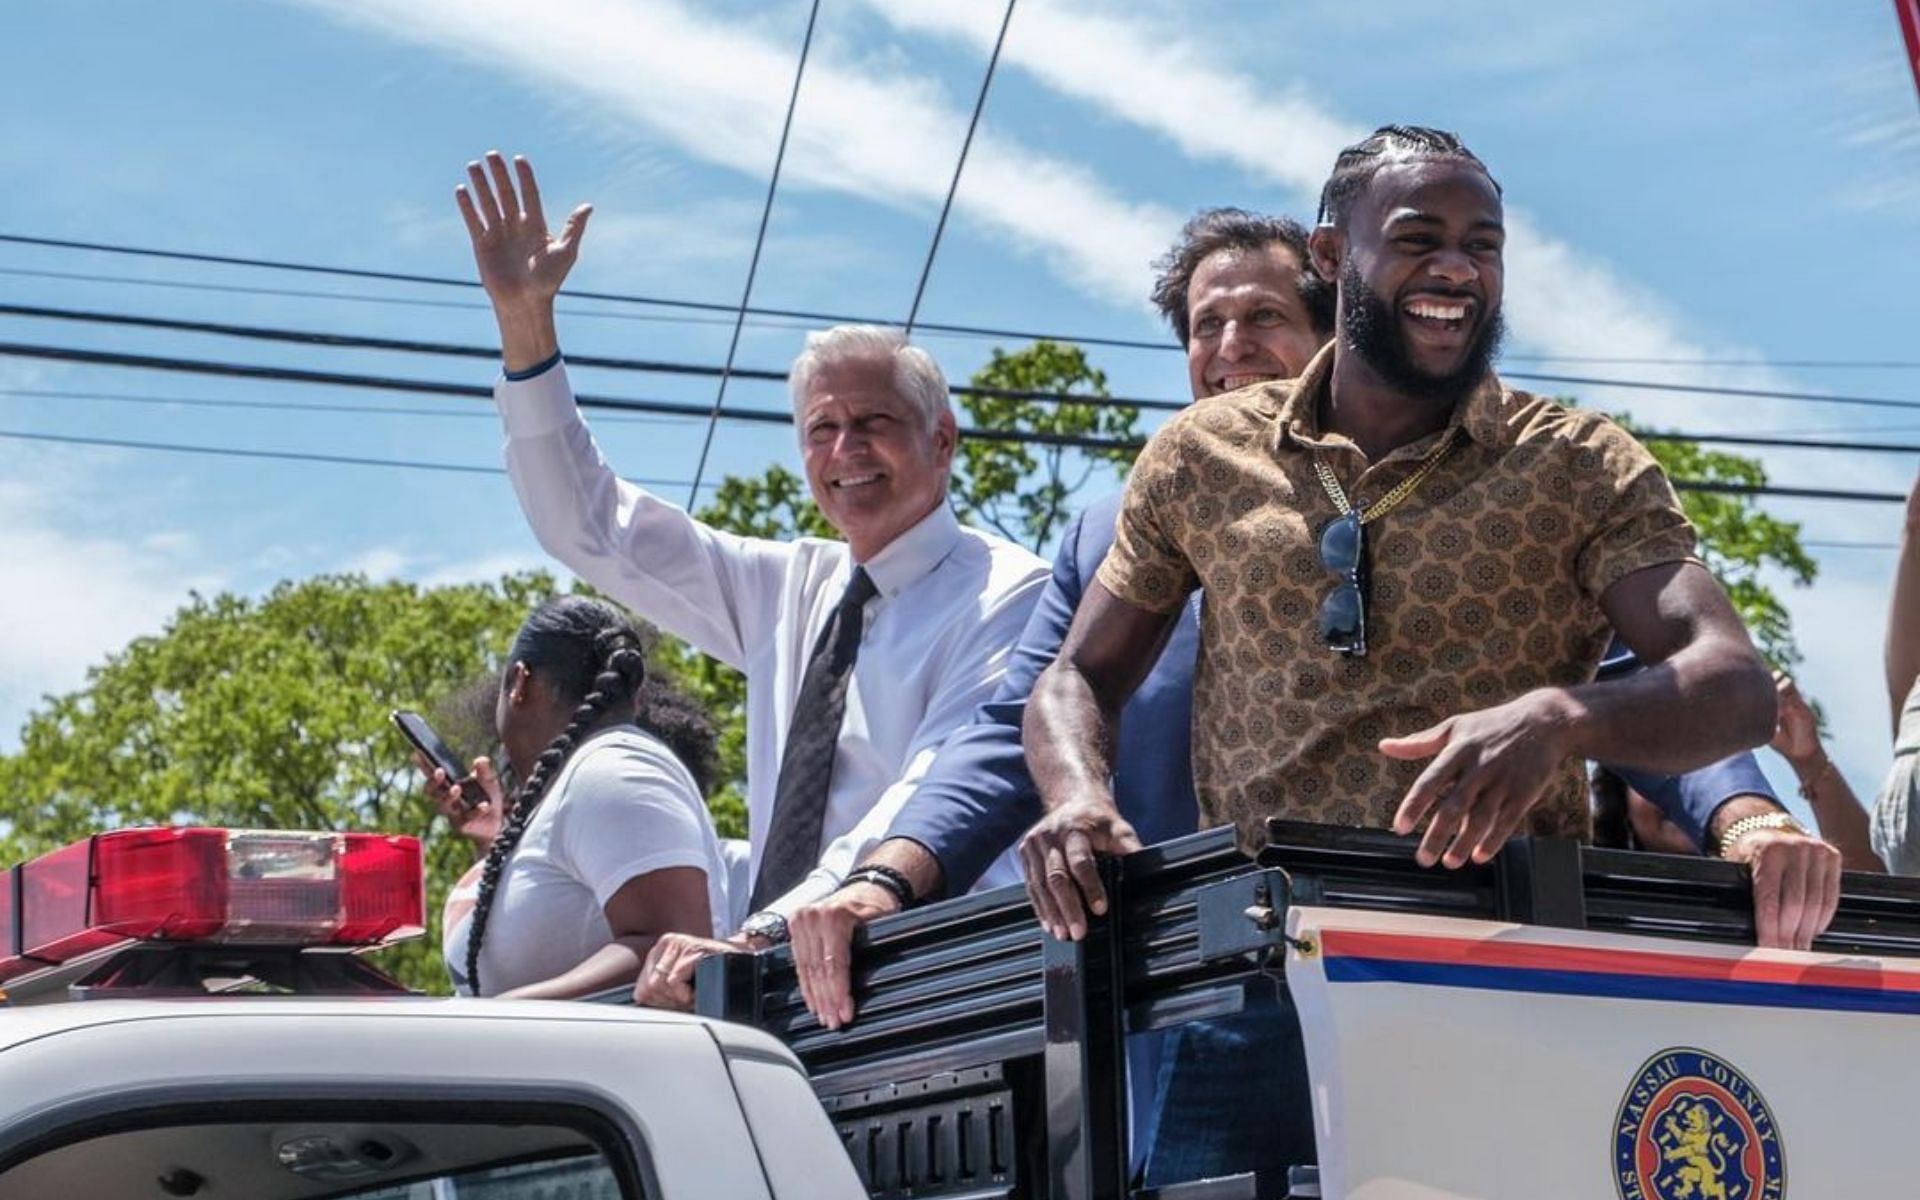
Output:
(952, 601)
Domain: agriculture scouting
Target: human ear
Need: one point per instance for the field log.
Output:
(1326, 247)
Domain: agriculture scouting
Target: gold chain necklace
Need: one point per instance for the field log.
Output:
(1392, 499)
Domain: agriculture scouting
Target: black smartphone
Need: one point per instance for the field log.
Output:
(415, 729)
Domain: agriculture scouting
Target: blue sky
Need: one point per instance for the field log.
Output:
(1728, 181)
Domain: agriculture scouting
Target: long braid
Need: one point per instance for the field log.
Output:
(619, 671)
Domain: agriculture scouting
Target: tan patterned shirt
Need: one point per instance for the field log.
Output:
(1485, 584)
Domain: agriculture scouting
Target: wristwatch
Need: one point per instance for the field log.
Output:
(1738, 831)
(771, 927)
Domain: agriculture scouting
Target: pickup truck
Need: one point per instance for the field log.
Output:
(1564, 1021)
(403, 1098)
(158, 1086)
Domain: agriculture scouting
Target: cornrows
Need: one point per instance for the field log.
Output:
(1358, 163)
(551, 636)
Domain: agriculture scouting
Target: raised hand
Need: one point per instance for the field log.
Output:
(473, 805)
(521, 265)
(1797, 736)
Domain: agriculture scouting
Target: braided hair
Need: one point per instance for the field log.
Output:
(1389, 144)
(590, 655)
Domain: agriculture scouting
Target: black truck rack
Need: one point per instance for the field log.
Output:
(986, 1058)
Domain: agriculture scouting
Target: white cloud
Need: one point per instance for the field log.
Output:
(718, 91)
(377, 563)
(80, 596)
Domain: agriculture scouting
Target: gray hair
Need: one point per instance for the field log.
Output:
(916, 376)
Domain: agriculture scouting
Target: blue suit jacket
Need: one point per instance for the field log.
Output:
(977, 798)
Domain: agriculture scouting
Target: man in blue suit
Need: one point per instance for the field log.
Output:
(1238, 293)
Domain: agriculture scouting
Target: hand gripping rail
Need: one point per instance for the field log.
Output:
(986, 1058)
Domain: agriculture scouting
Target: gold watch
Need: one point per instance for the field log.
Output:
(1739, 830)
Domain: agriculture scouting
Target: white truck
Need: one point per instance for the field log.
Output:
(375, 1094)
(1565, 1022)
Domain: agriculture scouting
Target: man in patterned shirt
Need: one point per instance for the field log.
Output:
(1410, 573)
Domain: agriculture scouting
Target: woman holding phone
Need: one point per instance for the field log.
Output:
(605, 845)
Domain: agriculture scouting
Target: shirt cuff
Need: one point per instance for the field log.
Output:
(540, 368)
(537, 405)
(816, 887)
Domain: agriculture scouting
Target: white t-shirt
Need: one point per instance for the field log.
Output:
(621, 806)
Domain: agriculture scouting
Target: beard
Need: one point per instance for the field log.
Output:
(1372, 328)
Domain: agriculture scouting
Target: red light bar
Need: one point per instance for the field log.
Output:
(215, 885)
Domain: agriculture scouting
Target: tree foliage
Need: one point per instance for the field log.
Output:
(1025, 490)
(268, 713)
(1740, 542)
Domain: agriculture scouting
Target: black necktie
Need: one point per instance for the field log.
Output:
(806, 765)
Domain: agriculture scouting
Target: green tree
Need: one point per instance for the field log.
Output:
(1740, 542)
(1025, 490)
(269, 713)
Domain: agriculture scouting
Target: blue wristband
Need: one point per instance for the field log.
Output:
(540, 368)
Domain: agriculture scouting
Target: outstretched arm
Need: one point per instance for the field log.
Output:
(521, 266)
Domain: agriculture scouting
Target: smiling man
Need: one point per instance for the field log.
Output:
(1410, 574)
(861, 656)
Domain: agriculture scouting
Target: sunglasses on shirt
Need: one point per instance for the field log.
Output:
(1343, 615)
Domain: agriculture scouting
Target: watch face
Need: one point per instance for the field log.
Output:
(771, 926)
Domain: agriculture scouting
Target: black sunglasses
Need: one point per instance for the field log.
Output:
(1343, 615)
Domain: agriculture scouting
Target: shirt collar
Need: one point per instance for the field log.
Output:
(1480, 416)
(914, 553)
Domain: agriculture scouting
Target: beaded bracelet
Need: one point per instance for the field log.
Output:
(886, 879)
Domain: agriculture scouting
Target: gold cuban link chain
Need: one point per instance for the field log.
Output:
(1392, 499)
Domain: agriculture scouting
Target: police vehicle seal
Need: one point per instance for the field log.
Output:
(1692, 1126)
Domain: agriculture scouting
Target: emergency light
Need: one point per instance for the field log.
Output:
(212, 887)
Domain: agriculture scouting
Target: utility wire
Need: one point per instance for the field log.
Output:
(404, 301)
(813, 317)
(763, 416)
(455, 350)
(789, 313)
(753, 264)
(280, 455)
(960, 164)
(491, 353)
(1702, 389)
(296, 406)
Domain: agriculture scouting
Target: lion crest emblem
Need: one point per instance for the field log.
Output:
(1691, 1127)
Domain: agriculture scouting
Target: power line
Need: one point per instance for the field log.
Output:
(490, 353)
(296, 406)
(763, 416)
(759, 244)
(366, 298)
(449, 349)
(1741, 439)
(456, 350)
(280, 455)
(233, 370)
(803, 315)
(828, 318)
(1895, 364)
(1702, 389)
(960, 164)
